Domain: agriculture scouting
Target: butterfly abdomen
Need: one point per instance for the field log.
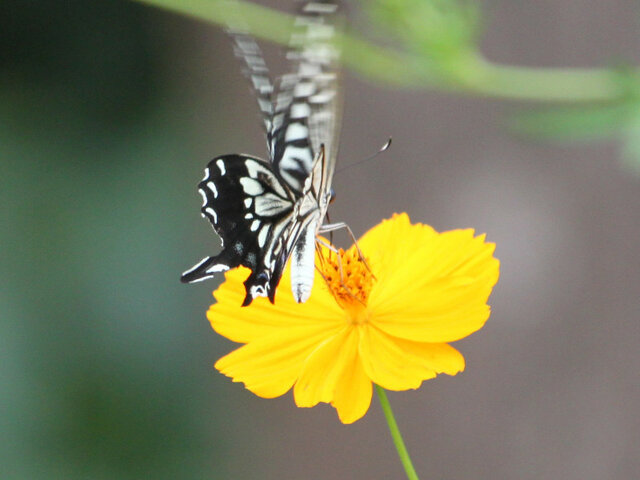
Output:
(302, 263)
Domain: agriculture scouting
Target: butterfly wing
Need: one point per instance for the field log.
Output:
(254, 69)
(252, 212)
(265, 211)
(318, 63)
(304, 117)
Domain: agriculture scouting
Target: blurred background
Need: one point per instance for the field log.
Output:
(109, 112)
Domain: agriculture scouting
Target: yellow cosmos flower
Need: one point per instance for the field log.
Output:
(385, 320)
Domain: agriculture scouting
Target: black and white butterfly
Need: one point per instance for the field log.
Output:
(269, 211)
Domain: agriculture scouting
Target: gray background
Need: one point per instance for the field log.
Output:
(108, 113)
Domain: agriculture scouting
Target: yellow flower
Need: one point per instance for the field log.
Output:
(386, 320)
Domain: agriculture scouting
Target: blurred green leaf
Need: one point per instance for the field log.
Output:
(441, 35)
(439, 29)
(572, 123)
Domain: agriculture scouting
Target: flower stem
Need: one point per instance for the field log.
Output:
(470, 74)
(396, 435)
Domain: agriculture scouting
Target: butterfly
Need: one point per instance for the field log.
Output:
(267, 212)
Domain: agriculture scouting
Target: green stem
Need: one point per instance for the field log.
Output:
(546, 84)
(469, 74)
(396, 435)
(262, 22)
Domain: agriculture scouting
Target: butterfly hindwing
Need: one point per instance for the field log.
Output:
(250, 209)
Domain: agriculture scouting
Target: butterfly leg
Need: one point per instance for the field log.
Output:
(332, 227)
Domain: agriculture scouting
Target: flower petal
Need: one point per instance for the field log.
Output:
(398, 364)
(324, 367)
(385, 245)
(261, 318)
(269, 366)
(438, 293)
(447, 311)
(426, 255)
(352, 396)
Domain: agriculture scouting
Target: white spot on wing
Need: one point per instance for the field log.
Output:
(262, 236)
(203, 194)
(260, 83)
(212, 213)
(198, 280)
(300, 110)
(251, 186)
(309, 69)
(212, 187)
(218, 267)
(265, 105)
(255, 225)
(278, 119)
(257, 291)
(270, 204)
(304, 89)
(247, 202)
(223, 169)
(290, 152)
(198, 265)
(296, 131)
(254, 168)
(322, 97)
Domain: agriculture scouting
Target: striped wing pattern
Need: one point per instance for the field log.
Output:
(251, 211)
(304, 118)
(266, 212)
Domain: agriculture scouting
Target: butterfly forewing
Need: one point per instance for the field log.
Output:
(305, 110)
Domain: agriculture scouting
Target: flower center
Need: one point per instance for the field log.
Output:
(349, 280)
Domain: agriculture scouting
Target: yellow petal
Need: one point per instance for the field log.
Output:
(261, 318)
(323, 368)
(443, 311)
(387, 245)
(438, 291)
(269, 366)
(397, 364)
(352, 396)
(426, 256)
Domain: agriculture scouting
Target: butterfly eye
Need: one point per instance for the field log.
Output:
(332, 195)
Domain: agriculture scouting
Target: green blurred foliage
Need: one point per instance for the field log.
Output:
(95, 342)
(593, 122)
(441, 35)
(617, 120)
(439, 29)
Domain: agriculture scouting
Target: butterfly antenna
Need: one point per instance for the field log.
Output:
(384, 148)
